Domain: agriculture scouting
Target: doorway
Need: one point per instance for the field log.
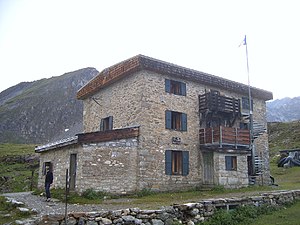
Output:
(73, 166)
(208, 168)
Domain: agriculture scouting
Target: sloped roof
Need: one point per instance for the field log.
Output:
(91, 137)
(141, 62)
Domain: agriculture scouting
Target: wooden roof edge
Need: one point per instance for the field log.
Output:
(58, 144)
(108, 76)
(91, 137)
(139, 62)
(109, 135)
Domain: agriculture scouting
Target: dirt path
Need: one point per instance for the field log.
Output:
(42, 207)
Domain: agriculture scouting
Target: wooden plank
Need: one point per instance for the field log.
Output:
(108, 135)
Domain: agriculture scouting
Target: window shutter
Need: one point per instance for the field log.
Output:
(102, 125)
(168, 119)
(228, 164)
(44, 168)
(168, 85)
(168, 162)
(110, 123)
(183, 89)
(185, 163)
(183, 122)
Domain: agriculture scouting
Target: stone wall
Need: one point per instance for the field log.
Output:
(60, 160)
(107, 166)
(140, 99)
(189, 213)
(231, 179)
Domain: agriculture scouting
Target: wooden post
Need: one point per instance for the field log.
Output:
(32, 180)
(236, 137)
(66, 196)
(221, 136)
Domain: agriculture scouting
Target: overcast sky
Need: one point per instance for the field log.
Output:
(40, 39)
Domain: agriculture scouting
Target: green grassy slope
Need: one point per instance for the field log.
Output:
(18, 167)
(283, 136)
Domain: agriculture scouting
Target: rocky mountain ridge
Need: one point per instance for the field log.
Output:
(43, 110)
(46, 110)
(283, 110)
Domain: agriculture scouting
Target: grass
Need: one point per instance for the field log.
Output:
(9, 213)
(16, 174)
(285, 216)
(286, 178)
(7, 149)
(283, 136)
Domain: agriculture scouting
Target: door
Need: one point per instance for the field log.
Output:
(73, 166)
(208, 168)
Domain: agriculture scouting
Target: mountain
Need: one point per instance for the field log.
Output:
(283, 110)
(46, 110)
(43, 110)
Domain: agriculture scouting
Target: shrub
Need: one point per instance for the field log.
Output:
(220, 217)
(144, 192)
(92, 194)
(240, 215)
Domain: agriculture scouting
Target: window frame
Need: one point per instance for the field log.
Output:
(175, 120)
(47, 164)
(106, 123)
(230, 163)
(176, 162)
(175, 87)
(245, 103)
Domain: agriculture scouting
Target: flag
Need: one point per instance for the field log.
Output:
(244, 42)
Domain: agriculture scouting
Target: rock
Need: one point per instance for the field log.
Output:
(19, 222)
(21, 209)
(106, 221)
(190, 223)
(138, 222)
(194, 212)
(15, 202)
(128, 219)
(157, 222)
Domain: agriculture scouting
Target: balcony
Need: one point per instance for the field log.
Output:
(214, 102)
(224, 137)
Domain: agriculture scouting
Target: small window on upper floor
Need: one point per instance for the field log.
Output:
(175, 87)
(106, 123)
(245, 103)
(176, 120)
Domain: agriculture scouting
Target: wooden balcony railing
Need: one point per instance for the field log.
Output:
(221, 137)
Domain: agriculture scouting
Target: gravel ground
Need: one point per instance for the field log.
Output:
(39, 204)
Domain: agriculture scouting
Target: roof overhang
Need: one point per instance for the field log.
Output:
(92, 137)
(141, 62)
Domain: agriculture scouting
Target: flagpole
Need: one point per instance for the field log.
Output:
(250, 112)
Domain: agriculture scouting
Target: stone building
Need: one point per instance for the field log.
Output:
(149, 124)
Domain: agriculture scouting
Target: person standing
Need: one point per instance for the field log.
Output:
(48, 182)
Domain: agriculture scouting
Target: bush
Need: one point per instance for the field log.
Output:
(220, 217)
(144, 192)
(92, 194)
(240, 215)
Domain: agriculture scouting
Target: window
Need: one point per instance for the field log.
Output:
(175, 87)
(245, 103)
(177, 162)
(176, 121)
(46, 166)
(230, 163)
(106, 123)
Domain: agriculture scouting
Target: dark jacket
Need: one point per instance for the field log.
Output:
(49, 177)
